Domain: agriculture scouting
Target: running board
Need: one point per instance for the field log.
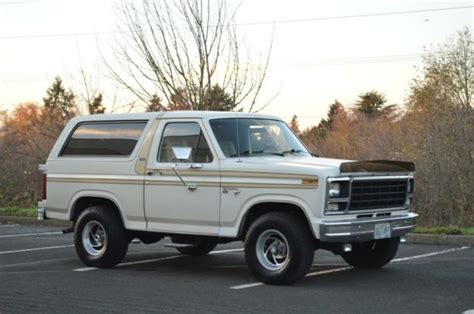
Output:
(178, 245)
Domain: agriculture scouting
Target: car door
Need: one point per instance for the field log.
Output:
(182, 185)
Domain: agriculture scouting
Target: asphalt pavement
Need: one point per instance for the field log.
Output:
(40, 272)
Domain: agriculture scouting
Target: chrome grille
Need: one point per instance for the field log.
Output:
(377, 194)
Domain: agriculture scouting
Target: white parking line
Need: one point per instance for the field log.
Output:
(45, 261)
(9, 225)
(29, 234)
(247, 285)
(317, 273)
(155, 260)
(85, 269)
(226, 251)
(37, 249)
(28, 272)
(329, 271)
(429, 254)
(323, 272)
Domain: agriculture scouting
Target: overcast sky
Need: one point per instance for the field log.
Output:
(322, 50)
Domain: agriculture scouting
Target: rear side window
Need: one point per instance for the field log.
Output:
(104, 139)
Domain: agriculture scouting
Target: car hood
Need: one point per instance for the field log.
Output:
(322, 166)
(290, 164)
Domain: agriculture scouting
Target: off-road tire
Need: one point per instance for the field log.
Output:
(115, 239)
(372, 254)
(280, 230)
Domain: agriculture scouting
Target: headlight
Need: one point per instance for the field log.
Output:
(334, 189)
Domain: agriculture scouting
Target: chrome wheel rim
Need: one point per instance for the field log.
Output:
(94, 238)
(272, 250)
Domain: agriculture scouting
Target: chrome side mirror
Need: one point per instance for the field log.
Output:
(181, 153)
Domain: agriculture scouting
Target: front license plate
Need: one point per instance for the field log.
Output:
(382, 231)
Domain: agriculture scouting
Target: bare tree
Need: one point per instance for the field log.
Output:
(184, 47)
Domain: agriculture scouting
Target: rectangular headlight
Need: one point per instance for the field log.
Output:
(334, 189)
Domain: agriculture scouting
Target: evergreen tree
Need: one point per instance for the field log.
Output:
(59, 101)
(294, 125)
(216, 99)
(96, 107)
(155, 104)
(179, 101)
(372, 104)
(336, 110)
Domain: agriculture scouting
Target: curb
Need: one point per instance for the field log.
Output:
(440, 239)
(34, 221)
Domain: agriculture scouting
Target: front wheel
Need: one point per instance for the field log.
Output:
(372, 254)
(279, 248)
(99, 237)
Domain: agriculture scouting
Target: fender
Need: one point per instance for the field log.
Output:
(271, 198)
(100, 194)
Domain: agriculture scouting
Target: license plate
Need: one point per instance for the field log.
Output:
(382, 231)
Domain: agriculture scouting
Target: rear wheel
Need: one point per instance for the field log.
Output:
(372, 254)
(99, 237)
(279, 248)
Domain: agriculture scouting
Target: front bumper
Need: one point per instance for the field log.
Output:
(360, 230)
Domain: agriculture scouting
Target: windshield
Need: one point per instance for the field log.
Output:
(256, 137)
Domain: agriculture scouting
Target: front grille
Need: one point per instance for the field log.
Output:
(377, 194)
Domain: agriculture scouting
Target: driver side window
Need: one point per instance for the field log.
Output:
(187, 138)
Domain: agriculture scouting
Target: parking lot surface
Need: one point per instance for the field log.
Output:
(40, 272)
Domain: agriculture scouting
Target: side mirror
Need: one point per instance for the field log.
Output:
(181, 153)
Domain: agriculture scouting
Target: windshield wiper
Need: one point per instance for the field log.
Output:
(292, 151)
(256, 152)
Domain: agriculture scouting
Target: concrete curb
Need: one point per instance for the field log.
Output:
(441, 239)
(34, 221)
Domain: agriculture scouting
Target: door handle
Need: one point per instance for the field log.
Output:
(192, 187)
(152, 171)
(195, 166)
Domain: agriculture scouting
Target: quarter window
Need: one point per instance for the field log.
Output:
(104, 139)
(184, 138)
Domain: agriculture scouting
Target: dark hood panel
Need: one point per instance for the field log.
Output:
(377, 166)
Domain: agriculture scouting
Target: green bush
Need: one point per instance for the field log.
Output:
(21, 212)
(451, 230)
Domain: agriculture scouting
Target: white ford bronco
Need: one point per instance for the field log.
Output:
(204, 178)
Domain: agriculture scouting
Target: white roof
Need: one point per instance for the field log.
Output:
(174, 114)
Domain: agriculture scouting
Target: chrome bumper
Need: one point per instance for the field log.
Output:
(360, 230)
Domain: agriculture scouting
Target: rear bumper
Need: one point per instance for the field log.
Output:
(358, 230)
(42, 210)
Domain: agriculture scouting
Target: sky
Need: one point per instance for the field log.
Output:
(322, 50)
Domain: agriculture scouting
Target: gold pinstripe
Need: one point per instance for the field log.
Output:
(236, 174)
(96, 181)
(305, 183)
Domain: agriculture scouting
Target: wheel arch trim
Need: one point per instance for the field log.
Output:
(104, 195)
(251, 205)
